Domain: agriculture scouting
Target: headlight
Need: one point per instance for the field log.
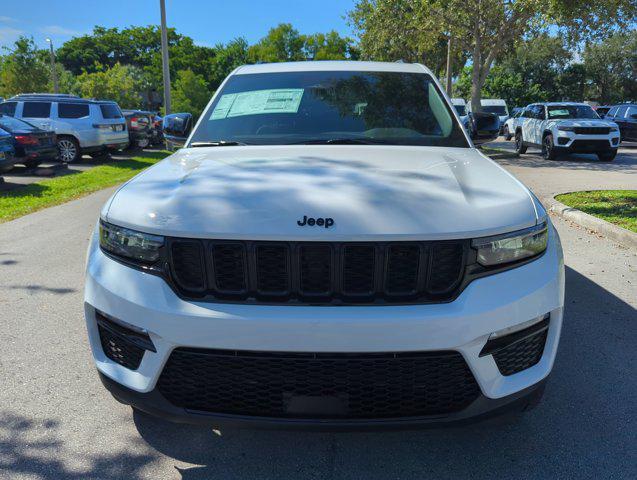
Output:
(138, 247)
(511, 247)
(566, 129)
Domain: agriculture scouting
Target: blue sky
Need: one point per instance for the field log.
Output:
(207, 22)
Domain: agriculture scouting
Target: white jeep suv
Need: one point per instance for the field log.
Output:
(329, 247)
(566, 127)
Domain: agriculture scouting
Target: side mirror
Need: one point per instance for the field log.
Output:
(176, 128)
(485, 127)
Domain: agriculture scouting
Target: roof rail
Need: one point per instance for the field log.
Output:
(63, 95)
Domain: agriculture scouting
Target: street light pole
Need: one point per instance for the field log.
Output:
(54, 73)
(164, 57)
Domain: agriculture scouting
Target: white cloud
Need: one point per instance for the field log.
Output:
(57, 30)
(7, 19)
(8, 35)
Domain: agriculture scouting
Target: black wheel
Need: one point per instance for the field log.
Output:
(506, 133)
(607, 156)
(68, 149)
(519, 144)
(32, 163)
(548, 149)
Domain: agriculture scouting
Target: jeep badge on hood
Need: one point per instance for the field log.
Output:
(321, 222)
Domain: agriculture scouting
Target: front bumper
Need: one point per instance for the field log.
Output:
(487, 305)
(570, 142)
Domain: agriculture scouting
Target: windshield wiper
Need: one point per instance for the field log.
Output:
(217, 143)
(339, 141)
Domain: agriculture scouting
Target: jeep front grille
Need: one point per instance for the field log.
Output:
(316, 272)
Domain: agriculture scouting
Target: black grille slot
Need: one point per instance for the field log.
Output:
(188, 265)
(276, 384)
(403, 262)
(313, 272)
(359, 265)
(590, 145)
(521, 355)
(229, 261)
(446, 267)
(119, 349)
(316, 270)
(592, 130)
(273, 276)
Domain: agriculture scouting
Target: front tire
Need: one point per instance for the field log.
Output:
(506, 133)
(607, 156)
(68, 150)
(548, 148)
(519, 143)
(32, 164)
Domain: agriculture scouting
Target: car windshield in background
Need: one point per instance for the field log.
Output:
(571, 111)
(11, 124)
(392, 108)
(462, 111)
(110, 110)
(497, 109)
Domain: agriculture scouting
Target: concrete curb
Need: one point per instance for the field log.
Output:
(602, 227)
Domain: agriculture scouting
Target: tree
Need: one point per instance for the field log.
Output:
(190, 93)
(329, 46)
(483, 28)
(120, 83)
(23, 69)
(283, 43)
(611, 67)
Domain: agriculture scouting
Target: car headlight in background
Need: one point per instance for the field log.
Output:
(511, 247)
(566, 129)
(131, 245)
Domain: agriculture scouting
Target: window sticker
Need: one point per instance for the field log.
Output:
(258, 102)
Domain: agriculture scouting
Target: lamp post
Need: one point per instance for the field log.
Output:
(54, 73)
(164, 57)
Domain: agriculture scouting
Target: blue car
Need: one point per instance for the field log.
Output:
(7, 152)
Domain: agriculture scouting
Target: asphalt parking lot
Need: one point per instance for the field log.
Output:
(57, 422)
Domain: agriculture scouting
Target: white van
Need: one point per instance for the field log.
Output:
(461, 108)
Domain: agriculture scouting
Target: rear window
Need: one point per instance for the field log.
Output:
(11, 124)
(497, 109)
(8, 108)
(72, 110)
(36, 110)
(110, 110)
(462, 111)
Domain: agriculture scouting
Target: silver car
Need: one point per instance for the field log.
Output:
(82, 126)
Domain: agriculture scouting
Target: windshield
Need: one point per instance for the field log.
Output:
(497, 109)
(332, 107)
(571, 111)
(462, 111)
(11, 124)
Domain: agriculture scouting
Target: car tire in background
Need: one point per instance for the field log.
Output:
(519, 145)
(548, 148)
(506, 133)
(68, 149)
(607, 156)
(32, 163)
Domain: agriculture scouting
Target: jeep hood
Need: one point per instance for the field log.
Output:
(584, 123)
(371, 192)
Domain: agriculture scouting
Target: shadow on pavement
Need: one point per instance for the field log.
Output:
(22, 455)
(584, 427)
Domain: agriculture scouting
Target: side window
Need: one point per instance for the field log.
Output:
(534, 111)
(541, 112)
(612, 112)
(36, 110)
(72, 110)
(631, 111)
(8, 108)
(526, 113)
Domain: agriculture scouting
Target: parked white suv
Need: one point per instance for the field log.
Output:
(82, 126)
(566, 127)
(329, 247)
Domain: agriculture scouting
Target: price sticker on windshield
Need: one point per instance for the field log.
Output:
(258, 102)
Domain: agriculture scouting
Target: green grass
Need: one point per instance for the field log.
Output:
(53, 191)
(615, 206)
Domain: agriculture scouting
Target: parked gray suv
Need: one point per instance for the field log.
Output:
(82, 126)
